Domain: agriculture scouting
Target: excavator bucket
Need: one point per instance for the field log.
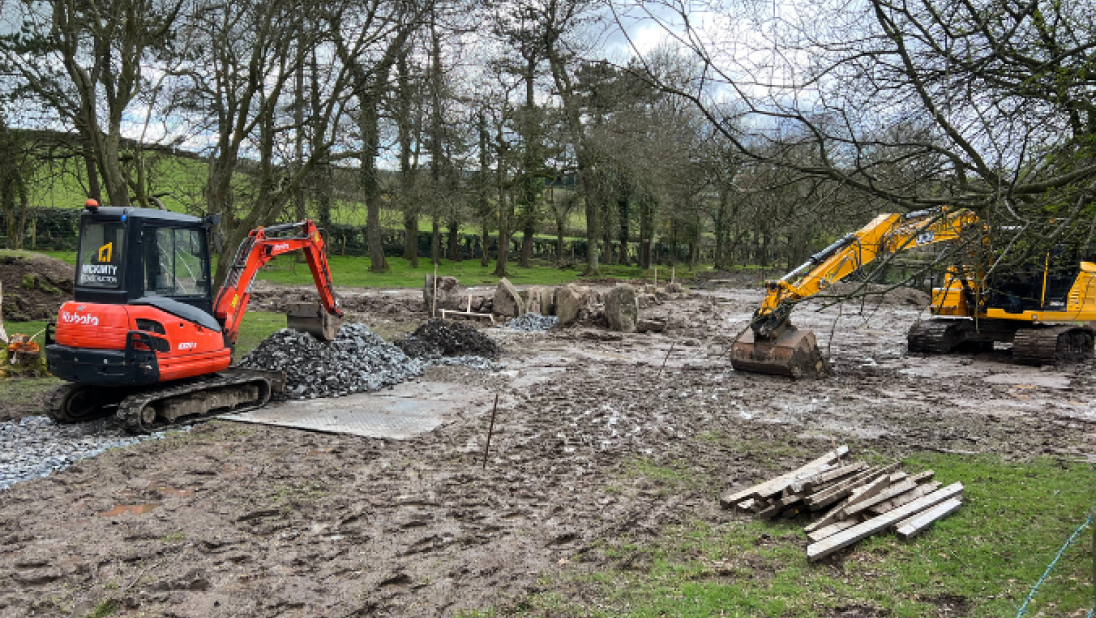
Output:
(313, 319)
(793, 353)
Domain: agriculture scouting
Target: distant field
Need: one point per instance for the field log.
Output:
(183, 179)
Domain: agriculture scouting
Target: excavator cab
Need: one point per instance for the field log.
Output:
(127, 254)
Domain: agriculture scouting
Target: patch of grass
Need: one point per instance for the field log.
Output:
(981, 561)
(104, 609)
(256, 326)
(174, 537)
(354, 272)
(674, 475)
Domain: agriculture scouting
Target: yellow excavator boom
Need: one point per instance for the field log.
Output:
(773, 345)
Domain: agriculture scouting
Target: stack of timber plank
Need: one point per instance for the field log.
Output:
(849, 500)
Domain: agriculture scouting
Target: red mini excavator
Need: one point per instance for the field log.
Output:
(144, 337)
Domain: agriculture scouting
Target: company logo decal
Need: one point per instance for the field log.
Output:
(105, 252)
(188, 346)
(76, 318)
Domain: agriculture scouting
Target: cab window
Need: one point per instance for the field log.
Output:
(175, 262)
(100, 254)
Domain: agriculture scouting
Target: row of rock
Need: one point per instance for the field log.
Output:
(570, 304)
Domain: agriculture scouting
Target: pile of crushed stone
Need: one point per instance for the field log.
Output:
(440, 338)
(356, 361)
(532, 322)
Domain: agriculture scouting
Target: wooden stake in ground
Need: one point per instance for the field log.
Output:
(1092, 524)
(490, 430)
(656, 277)
(673, 274)
(3, 333)
(668, 352)
(434, 303)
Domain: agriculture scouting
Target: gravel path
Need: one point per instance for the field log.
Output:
(35, 446)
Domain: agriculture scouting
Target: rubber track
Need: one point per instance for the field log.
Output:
(935, 336)
(129, 411)
(53, 403)
(56, 397)
(1052, 345)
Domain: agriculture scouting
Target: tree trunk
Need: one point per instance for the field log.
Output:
(485, 242)
(368, 119)
(454, 240)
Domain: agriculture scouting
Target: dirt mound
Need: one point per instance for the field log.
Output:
(35, 286)
(442, 338)
(875, 293)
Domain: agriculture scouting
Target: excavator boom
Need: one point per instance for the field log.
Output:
(263, 245)
(772, 345)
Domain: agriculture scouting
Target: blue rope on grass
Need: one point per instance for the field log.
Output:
(1023, 608)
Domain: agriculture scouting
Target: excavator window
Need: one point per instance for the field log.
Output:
(175, 262)
(100, 255)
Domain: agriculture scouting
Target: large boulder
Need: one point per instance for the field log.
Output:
(571, 300)
(621, 309)
(450, 295)
(508, 301)
(541, 300)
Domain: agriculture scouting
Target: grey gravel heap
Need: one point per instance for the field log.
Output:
(35, 446)
(440, 338)
(532, 322)
(356, 361)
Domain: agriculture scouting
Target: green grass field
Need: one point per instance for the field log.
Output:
(354, 272)
(981, 562)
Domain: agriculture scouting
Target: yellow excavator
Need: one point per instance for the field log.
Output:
(1038, 308)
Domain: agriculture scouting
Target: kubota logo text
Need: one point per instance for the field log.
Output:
(187, 346)
(281, 246)
(76, 318)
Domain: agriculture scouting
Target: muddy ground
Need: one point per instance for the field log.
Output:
(245, 520)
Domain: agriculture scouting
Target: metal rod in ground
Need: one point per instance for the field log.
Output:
(668, 352)
(490, 430)
(434, 301)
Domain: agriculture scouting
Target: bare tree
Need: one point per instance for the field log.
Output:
(940, 102)
(88, 63)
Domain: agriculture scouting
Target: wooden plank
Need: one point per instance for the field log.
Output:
(922, 476)
(808, 484)
(747, 505)
(887, 494)
(906, 498)
(867, 492)
(448, 312)
(921, 522)
(831, 516)
(897, 476)
(841, 487)
(774, 486)
(771, 512)
(819, 501)
(842, 539)
(830, 530)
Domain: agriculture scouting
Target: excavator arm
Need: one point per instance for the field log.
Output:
(773, 345)
(263, 245)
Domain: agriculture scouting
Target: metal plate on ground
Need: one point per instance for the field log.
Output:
(402, 412)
